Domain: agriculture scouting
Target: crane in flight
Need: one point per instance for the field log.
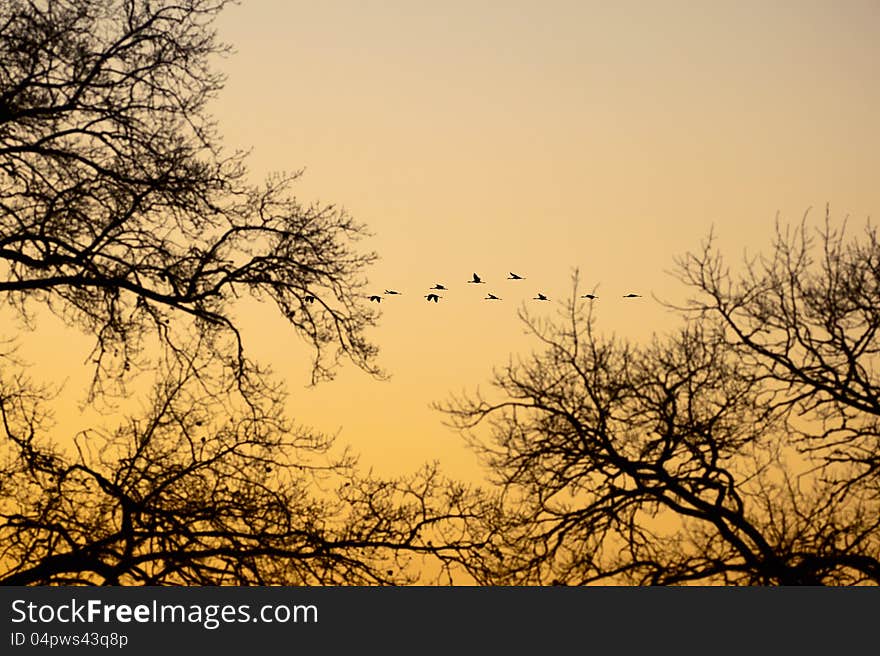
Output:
(540, 297)
(590, 296)
(376, 298)
(513, 276)
(433, 297)
(392, 292)
(477, 279)
(491, 297)
(631, 295)
(438, 286)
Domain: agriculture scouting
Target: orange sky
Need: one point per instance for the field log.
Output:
(535, 137)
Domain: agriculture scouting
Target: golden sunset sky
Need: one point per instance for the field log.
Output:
(536, 137)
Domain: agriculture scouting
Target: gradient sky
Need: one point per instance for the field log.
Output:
(537, 137)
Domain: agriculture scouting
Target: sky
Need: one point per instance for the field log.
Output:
(537, 137)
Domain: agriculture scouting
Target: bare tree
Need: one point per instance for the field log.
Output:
(195, 492)
(120, 211)
(807, 318)
(666, 463)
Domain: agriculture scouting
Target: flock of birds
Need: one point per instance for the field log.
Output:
(432, 296)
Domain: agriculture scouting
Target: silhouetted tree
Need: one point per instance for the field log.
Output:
(195, 492)
(119, 209)
(686, 459)
(807, 319)
(120, 213)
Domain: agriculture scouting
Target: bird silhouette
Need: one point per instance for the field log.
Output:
(513, 276)
(438, 286)
(589, 296)
(491, 297)
(540, 297)
(376, 298)
(309, 298)
(392, 291)
(477, 279)
(631, 295)
(433, 297)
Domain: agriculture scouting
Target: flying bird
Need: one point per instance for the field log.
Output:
(513, 276)
(631, 295)
(476, 279)
(433, 297)
(589, 296)
(540, 297)
(376, 298)
(310, 298)
(392, 291)
(438, 286)
(491, 297)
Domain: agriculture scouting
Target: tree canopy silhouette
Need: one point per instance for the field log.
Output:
(195, 492)
(740, 450)
(120, 209)
(807, 318)
(121, 213)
